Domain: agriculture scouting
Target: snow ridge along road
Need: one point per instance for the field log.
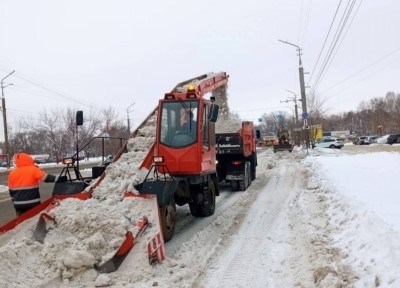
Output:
(275, 234)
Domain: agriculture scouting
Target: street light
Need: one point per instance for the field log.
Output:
(3, 105)
(303, 92)
(127, 116)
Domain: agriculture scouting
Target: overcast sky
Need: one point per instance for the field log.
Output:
(96, 54)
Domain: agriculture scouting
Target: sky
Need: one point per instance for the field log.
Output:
(96, 54)
(259, 236)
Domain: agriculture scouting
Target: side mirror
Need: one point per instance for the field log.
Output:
(213, 116)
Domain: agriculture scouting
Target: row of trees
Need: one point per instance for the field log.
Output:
(55, 133)
(377, 116)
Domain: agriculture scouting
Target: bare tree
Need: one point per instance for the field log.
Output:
(56, 131)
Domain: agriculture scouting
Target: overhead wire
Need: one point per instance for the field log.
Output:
(333, 44)
(333, 53)
(362, 70)
(347, 30)
(45, 87)
(323, 46)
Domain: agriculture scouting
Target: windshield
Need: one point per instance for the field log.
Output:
(179, 123)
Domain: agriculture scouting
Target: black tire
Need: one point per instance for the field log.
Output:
(168, 220)
(207, 206)
(253, 173)
(249, 175)
(332, 146)
(253, 165)
(234, 185)
(243, 184)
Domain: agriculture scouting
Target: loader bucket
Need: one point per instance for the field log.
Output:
(25, 216)
(164, 189)
(114, 262)
(68, 188)
(41, 227)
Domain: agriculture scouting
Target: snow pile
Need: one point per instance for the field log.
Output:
(363, 223)
(230, 124)
(124, 174)
(86, 233)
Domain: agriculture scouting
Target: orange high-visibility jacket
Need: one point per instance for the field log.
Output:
(23, 182)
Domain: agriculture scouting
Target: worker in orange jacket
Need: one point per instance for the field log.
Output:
(23, 182)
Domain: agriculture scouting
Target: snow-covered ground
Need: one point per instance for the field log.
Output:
(326, 218)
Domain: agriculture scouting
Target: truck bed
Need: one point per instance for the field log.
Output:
(229, 143)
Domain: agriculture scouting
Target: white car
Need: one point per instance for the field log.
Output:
(330, 143)
(383, 139)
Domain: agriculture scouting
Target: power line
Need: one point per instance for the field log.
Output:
(333, 44)
(333, 51)
(362, 70)
(326, 39)
(46, 88)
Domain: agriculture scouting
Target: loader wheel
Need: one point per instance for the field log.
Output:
(168, 220)
(207, 205)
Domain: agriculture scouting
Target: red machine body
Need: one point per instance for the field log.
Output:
(190, 151)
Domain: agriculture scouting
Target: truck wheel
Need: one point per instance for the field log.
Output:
(207, 205)
(168, 220)
(243, 184)
(253, 165)
(234, 185)
(249, 174)
(253, 172)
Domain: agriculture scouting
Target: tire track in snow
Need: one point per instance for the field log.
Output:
(266, 243)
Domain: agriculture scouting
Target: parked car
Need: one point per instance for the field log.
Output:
(370, 139)
(330, 142)
(81, 155)
(394, 138)
(383, 139)
(359, 140)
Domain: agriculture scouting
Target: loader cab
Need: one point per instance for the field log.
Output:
(186, 135)
(179, 125)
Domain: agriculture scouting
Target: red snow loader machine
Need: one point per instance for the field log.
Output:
(180, 166)
(184, 151)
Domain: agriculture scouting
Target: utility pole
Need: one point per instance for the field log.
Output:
(303, 95)
(295, 105)
(127, 116)
(3, 106)
(296, 135)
